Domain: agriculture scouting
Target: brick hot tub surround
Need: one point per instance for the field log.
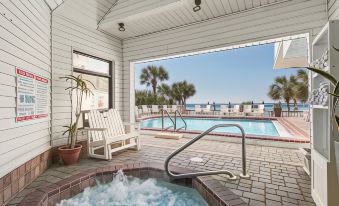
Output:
(210, 189)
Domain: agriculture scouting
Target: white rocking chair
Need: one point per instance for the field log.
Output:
(107, 130)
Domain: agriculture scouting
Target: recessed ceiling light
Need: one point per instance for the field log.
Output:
(197, 5)
(122, 27)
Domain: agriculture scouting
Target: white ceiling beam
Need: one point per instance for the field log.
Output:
(51, 4)
(54, 4)
(108, 12)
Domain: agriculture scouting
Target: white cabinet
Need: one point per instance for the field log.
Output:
(325, 187)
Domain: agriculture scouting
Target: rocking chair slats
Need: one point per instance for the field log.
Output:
(107, 130)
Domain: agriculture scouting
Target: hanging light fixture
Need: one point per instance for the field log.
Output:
(197, 6)
(122, 27)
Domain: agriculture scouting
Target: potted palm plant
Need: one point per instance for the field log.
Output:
(277, 109)
(70, 153)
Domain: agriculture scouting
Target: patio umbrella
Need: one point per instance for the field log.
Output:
(213, 106)
(252, 103)
(229, 104)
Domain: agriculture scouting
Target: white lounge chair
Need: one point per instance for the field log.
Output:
(224, 109)
(197, 109)
(107, 132)
(236, 110)
(155, 109)
(260, 111)
(206, 109)
(174, 108)
(145, 109)
(137, 113)
(164, 107)
(247, 109)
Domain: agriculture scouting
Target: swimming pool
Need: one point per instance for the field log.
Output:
(251, 126)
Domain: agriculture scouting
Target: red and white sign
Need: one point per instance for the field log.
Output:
(32, 96)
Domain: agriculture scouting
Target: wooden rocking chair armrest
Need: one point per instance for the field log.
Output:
(128, 126)
(100, 130)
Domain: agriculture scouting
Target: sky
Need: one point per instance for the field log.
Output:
(235, 75)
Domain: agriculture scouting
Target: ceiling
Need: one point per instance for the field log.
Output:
(143, 17)
(53, 4)
(85, 12)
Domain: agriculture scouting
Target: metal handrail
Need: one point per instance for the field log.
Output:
(175, 121)
(195, 174)
(162, 120)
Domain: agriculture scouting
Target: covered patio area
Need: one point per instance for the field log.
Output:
(277, 176)
(44, 42)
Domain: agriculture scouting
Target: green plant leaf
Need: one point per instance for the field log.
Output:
(335, 95)
(328, 76)
(336, 90)
(337, 120)
(335, 49)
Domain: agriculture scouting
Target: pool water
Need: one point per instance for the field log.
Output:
(253, 127)
(130, 191)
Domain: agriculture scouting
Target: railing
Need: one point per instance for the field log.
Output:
(175, 121)
(195, 174)
(162, 120)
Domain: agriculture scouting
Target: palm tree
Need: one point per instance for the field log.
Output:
(165, 91)
(176, 92)
(302, 87)
(151, 75)
(181, 91)
(294, 84)
(147, 97)
(188, 91)
(282, 88)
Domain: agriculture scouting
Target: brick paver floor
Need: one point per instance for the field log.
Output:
(277, 177)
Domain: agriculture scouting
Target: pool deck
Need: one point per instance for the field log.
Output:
(277, 177)
(300, 126)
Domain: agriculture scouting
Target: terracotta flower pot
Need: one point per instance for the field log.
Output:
(70, 156)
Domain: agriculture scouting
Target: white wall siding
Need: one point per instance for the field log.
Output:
(333, 9)
(291, 17)
(68, 35)
(24, 42)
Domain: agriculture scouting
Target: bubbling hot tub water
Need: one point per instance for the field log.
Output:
(130, 191)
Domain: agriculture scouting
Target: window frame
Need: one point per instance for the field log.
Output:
(109, 76)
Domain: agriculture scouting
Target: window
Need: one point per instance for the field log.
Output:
(99, 72)
(92, 64)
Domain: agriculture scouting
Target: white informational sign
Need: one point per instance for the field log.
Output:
(32, 96)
